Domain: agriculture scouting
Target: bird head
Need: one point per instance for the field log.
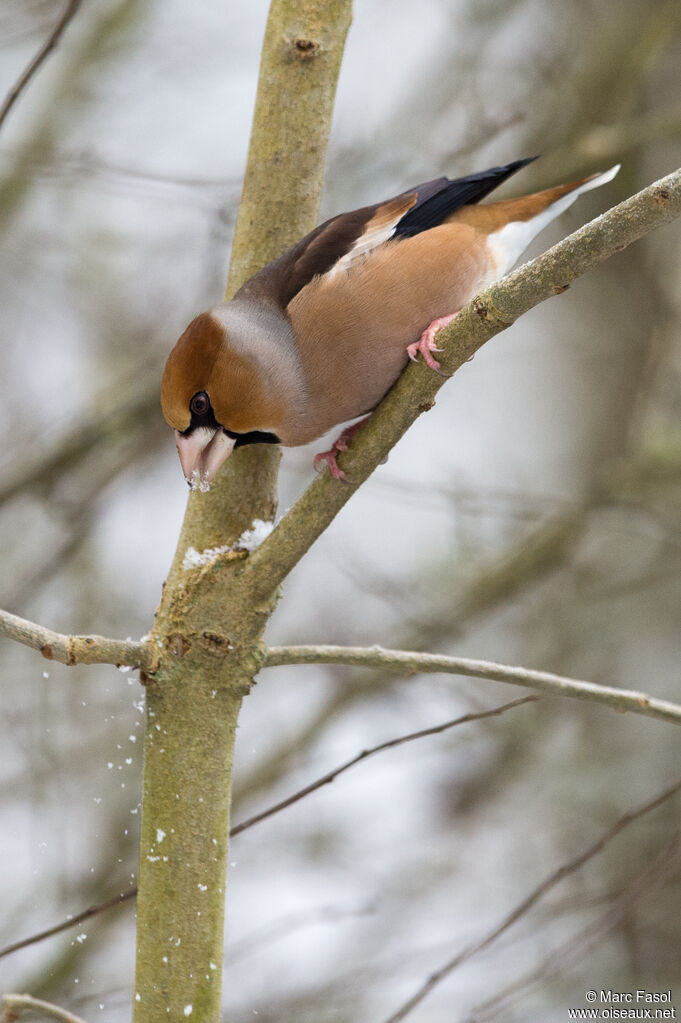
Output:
(213, 397)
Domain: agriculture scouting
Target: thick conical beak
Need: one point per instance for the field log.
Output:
(202, 452)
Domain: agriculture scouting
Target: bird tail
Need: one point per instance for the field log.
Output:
(547, 205)
(518, 221)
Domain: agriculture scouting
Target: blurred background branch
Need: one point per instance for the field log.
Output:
(530, 900)
(314, 786)
(34, 66)
(664, 867)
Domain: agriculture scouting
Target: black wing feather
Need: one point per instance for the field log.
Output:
(437, 199)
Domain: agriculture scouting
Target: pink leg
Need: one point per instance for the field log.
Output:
(426, 343)
(341, 444)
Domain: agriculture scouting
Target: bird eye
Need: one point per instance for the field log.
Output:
(199, 404)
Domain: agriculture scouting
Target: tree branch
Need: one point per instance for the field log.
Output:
(495, 581)
(72, 921)
(326, 779)
(530, 900)
(601, 144)
(34, 65)
(133, 415)
(491, 312)
(15, 1005)
(208, 627)
(56, 646)
(409, 663)
(664, 867)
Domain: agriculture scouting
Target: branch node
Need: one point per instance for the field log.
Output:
(305, 48)
(216, 644)
(71, 658)
(487, 311)
(178, 644)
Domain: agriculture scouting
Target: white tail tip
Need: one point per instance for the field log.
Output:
(600, 179)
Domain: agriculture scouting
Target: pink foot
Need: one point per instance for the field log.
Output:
(426, 343)
(341, 444)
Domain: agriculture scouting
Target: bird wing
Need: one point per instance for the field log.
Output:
(336, 244)
(339, 241)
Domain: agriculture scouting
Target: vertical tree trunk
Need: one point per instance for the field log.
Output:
(209, 623)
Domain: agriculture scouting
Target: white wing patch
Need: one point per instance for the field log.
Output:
(378, 230)
(509, 243)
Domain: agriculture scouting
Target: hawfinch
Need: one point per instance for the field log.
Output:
(319, 335)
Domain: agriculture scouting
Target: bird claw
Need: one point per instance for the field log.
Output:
(330, 458)
(426, 344)
(339, 445)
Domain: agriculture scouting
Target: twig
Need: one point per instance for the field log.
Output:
(34, 65)
(605, 142)
(15, 1005)
(91, 649)
(538, 553)
(569, 952)
(134, 414)
(530, 900)
(72, 921)
(326, 779)
(409, 663)
(489, 313)
(245, 825)
(289, 923)
(56, 646)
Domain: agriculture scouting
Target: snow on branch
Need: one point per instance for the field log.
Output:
(408, 663)
(56, 646)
